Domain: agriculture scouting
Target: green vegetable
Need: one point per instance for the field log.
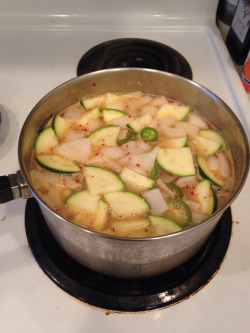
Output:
(130, 136)
(163, 225)
(149, 134)
(56, 163)
(176, 189)
(179, 212)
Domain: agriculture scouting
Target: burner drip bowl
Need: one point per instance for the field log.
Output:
(134, 52)
(124, 294)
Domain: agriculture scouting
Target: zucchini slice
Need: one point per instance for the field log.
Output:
(93, 102)
(100, 180)
(178, 111)
(140, 122)
(60, 126)
(46, 141)
(214, 136)
(111, 114)
(163, 225)
(154, 172)
(205, 147)
(105, 136)
(135, 181)
(179, 212)
(126, 203)
(205, 172)
(125, 226)
(58, 164)
(84, 201)
(177, 161)
(101, 218)
(206, 197)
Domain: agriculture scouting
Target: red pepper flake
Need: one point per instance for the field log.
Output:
(137, 164)
(113, 229)
(192, 193)
(205, 197)
(57, 210)
(187, 186)
(51, 148)
(62, 114)
(128, 153)
(92, 176)
(175, 180)
(94, 84)
(80, 167)
(127, 146)
(77, 181)
(130, 116)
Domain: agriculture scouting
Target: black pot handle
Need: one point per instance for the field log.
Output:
(5, 190)
(13, 187)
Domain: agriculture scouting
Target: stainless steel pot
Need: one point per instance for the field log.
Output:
(124, 257)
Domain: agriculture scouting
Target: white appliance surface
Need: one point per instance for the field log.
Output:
(40, 46)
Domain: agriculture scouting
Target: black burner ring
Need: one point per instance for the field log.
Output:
(134, 52)
(122, 294)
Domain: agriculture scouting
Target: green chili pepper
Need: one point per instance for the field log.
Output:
(179, 212)
(149, 134)
(130, 136)
(176, 189)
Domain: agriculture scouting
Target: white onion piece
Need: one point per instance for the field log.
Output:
(128, 145)
(113, 152)
(147, 160)
(73, 114)
(213, 163)
(155, 123)
(122, 121)
(151, 109)
(198, 217)
(224, 165)
(105, 162)
(42, 177)
(156, 201)
(185, 180)
(119, 105)
(143, 145)
(93, 124)
(137, 103)
(159, 101)
(197, 120)
(78, 150)
(73, 135)
(173, 132)
(168, 121)
(165, 188)
(191, 129)
(194, 206)
(124, 160)
(135, 151)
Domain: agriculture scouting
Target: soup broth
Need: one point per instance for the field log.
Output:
(132, 165)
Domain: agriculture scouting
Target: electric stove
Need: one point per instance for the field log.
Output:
(44, 44)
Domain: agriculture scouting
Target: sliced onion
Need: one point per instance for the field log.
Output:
(151, 109)
(213, 163)
(73, 135)
(143, 145)
(128, 145)
(173, 132)
(224, 165)
(78, 150)
(197, 120)
(156, 201)
(73, 114)
(122, 121)
(191, 129)
(93, 124)
(147, 160)
(165, 188)
(167, 121)
(113, 152)
(105, 162)
(159, 101)
(139, 102)
(195, 206)
(186, 180)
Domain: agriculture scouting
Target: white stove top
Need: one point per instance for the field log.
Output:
(41, 44)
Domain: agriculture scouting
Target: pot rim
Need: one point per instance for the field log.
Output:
(212, 95)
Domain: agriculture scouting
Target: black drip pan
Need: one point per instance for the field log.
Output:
(134, 52)
(121, 294)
